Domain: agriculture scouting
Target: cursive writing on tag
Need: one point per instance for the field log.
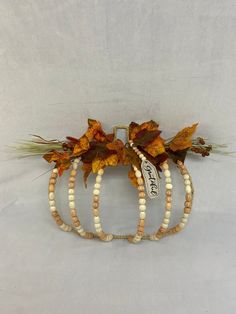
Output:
(151, 178)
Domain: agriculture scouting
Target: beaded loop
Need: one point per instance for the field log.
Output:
(71, 197)
(52, 202)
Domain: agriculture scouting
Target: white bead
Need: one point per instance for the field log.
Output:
(53, 208)
(142, 201)
(99, 230)
(71, 198)
(142, 215)
(167, 214)
(165, 226)
(141, 155)
(143, 158)
(51, 196)
(142, 208)
(97, 225)
(184, 220)
(169, 186)
(55, 170)
(82, 233)
(166, 221)
(98, 179)
(131, 144)
(167, 173)
(71, 191)
(96, 192)
(100, 172)
(72, 204)
(96, 219)
(185, 215)
(75, 166)
(77, 160)
(97, 186)
(52, 203)
(188, 189)
(187, 182)
(138, 174)
(135, 168)
(165, 166)
(182, 225)
(186, 177)
(168, 180)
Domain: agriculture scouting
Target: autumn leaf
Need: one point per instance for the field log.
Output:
(95, 131)
(183, 139)
(98, 163)
(156, 147)
(87, 168)
(82, 145)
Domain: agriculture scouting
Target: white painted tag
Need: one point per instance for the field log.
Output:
(151, 178)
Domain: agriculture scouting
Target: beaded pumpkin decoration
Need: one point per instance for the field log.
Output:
(144, 150)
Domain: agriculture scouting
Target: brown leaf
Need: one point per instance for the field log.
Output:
(87, 168)
(82, 145)
(133, 179)
(183, 139)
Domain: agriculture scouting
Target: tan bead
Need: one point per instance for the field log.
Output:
(52, 181)
(73, 213)
(54, 175)
(51, 188)
(140, 181)
(54, 213)
(95, 205)
(187, 210)
(162, 230)
(168, 193)
(73, 173)
(142, 222)
(77, 223)
(141, 188)
(187, 204)
(141, 194)
(188, 197)
(96, 198)
(168, 206)
(72, 179)
(168, 199)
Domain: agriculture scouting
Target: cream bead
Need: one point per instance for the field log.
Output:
(187, 182)
(165, 166)
(169, 186)
(186, 177)
(167, 214)
(186, 215)
(75, 166)
(96, 219)
(188, 189)
(165, 226)
(55, 170)
(98, 179)
(182, 225)
(184, 220)
(142, 201)
(71, 191)
(96, 192)
(138, 174)
(97, 185)
(77, 160)
(53, 208)
(72, 204)
(142, 208)
(100, 172)
(51, 196)
(97, 225)
(166, 221)
(168, 180)
(168, 206)
(71, 198)
(99, 230)
(52, 203)
(167, 173)
(142, 215)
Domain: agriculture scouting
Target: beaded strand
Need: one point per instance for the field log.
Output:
(71, 198)
(95, 208)
(52, 202)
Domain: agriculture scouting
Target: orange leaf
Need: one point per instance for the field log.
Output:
(81, 146)
(156, 147)
(87, 168)
(183, 139)
(98, 163)
(95, 131)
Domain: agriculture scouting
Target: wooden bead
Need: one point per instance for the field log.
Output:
(188, 197)
(73, 173)
(188, 189)
(95, 211)
(168, 206)
(168, 199)
(95, 204)
(187, 204)
(96, 198)
(142, 201)
(168, 193)
(187, 210)
(71, 185)
(169, 186)
(140, 181)
(141, 188)
(141, 222)
(51, 188)
(167, 173)
(141, 194)
(165, 166)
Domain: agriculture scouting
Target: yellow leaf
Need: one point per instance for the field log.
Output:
(183, 139)
(81, 146)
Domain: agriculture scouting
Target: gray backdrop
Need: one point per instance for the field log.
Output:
(64, 61)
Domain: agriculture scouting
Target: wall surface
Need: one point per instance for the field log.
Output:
(117, 61)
